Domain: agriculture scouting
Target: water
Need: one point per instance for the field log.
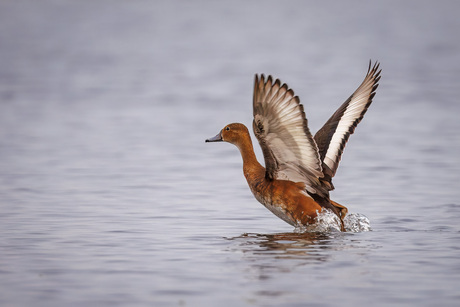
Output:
(109, 195)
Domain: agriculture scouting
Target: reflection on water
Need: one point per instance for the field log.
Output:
(282, 261)
(267, 255)
(306, 246)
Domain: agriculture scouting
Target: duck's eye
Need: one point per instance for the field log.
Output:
(228, 128)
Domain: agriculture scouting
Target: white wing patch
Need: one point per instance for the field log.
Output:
(357, 105)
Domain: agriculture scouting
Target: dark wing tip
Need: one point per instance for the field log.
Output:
(375, 67)
(269, 79)
(375, 71)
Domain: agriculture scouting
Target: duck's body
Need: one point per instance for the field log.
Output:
(297, 179)
(286, 199)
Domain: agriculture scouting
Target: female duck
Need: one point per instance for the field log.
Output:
(299, 169)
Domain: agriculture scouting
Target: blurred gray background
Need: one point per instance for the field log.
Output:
(108, 193)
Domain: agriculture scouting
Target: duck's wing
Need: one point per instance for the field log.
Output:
(333, 136)
(281, 128)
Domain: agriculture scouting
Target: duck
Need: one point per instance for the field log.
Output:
(296, 182)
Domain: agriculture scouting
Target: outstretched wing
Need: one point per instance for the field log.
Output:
(281, 127)
(333, 136)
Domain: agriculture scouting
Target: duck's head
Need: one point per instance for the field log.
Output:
(232, 133)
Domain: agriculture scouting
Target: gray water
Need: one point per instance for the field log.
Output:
(109, 195)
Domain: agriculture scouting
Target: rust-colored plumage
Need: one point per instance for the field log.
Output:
(299, 168)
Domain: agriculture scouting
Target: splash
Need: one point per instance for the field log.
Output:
(328, 221)
(356, 222)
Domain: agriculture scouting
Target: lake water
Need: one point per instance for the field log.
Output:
(109, 195)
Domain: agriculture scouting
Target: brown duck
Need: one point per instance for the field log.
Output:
(299, 167)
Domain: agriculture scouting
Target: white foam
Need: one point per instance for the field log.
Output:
(356, 222)
(328, 221)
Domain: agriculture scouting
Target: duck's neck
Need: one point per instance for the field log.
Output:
(250, 163)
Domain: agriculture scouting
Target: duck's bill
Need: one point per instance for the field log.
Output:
(217, 138)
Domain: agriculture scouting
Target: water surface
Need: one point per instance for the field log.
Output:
(109, 195)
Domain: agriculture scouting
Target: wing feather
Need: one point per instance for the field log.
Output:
(281, 128)
(333, 136)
